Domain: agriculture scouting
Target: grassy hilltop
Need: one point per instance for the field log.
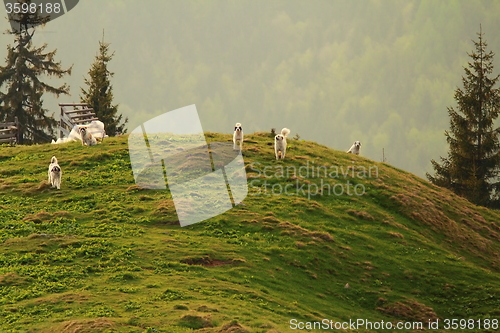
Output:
(103, 255)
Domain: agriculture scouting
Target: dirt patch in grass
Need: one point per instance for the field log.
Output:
(42, 236)
(402, 199)
(195, 322)
(322, 235)
(134, 188)
(410, 310)
(180, 307)
(205, 308)
(292, 229)
(62, 213)
(251, 149)
(395, 234)
(84, 326)
(170, 222)
(215, 263)
(362, 215)
(43, 186)
(297, 231)
(145, 198)
(38, 217)
(5, 186)
(233, 327)
(165, 207)
(68, 298)
(271, 219)
(11, 279)
(73, 298)
(309, 205)
(207, 262)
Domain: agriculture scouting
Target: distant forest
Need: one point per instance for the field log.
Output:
(381, 72)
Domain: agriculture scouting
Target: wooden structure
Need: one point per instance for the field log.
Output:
(9, 132)
(74, 114)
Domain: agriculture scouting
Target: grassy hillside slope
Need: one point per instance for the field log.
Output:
(103, 255)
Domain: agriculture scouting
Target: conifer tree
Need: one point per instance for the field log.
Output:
(472, 167)
(21, 90)
(99, 95)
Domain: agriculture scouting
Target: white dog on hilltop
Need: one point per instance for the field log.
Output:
(356, 146)
(238, 136)
(280, 144)
(55, 173)
(87, 137)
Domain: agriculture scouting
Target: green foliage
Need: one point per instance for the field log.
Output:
(99, 94)
(23, 90)
(112, 254)
(473, 163)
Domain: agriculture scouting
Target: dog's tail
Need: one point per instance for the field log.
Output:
(285, 131)
(53, 160)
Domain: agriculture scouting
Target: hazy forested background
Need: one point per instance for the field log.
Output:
(382, 72)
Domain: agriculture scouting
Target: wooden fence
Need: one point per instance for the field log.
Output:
(9, 132)
(74, 114)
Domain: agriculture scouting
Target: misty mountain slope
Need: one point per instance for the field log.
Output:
(103, 255)
(381, 72)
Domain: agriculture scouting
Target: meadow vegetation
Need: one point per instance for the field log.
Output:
(104, 255)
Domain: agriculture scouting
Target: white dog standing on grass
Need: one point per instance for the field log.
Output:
(87, 137)
(280, 144)
(356, 146)
(55, 173)
(238, 136)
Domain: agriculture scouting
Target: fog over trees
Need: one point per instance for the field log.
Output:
(381, 72)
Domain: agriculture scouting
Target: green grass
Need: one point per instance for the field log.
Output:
(103, 255)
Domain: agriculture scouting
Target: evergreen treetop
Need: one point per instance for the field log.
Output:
(99, 94)
(472, 167)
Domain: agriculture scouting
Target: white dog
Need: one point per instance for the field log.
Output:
(87, 137)
(55, 173)
(238, 136)
(280, 144)
(355, 148)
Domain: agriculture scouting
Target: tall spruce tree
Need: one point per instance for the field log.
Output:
(472, 167)
(22, 95)
(99, 95)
